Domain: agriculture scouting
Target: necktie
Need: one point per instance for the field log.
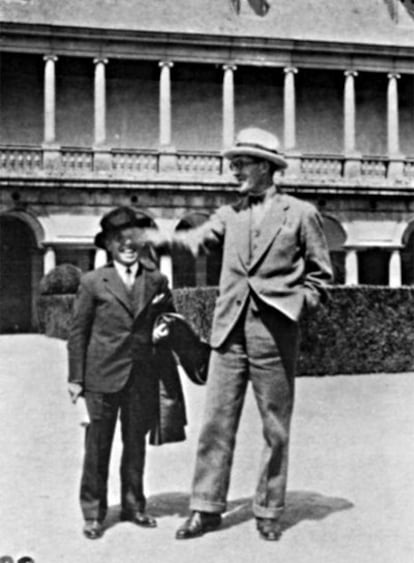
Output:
(129, 278)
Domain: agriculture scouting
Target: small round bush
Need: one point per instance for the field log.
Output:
(61, 280)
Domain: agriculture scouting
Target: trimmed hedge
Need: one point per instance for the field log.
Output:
(364, 329)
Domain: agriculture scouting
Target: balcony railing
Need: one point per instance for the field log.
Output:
(76, 161)
(134, 162)
(374, 167)
(72, 162)
(318, 167)
(199, 163)
(21, 160)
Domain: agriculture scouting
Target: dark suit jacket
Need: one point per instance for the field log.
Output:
(111, 330)
(288, 270)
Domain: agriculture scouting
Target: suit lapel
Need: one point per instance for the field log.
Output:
(273, 220)
(134, 301)
(144, 289)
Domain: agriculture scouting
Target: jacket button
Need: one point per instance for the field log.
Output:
(238, 302)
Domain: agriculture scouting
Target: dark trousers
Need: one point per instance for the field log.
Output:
(136, 404)
(261, 349)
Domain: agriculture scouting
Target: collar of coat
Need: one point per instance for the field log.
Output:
(145, 288)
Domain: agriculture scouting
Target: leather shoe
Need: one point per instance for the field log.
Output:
(140, 519)
(198, 524)
(269, 528)
(93, 529)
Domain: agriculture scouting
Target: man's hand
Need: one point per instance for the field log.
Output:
(75, 391)
(160, 332)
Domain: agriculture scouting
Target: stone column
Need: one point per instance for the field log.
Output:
(166, 267)
(351, 267)
(352, 158)
(289, 122)
(396, 162)
(349, 111)
(50, 99)
(289, 108)
(49, 260)
(228, 105)
(395, 268)
(100, 258)
(101, 154)
(165, 103)
(100, 102)
(168, 155)
(51, 152)
(392, 115)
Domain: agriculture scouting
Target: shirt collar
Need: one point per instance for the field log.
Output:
(122, 269)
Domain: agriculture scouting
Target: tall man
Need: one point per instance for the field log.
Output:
(110, 358)
(275, 265)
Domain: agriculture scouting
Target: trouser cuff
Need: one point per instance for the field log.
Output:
(267, 511)
(204, 505)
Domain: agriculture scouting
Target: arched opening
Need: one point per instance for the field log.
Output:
(189, 271)
(18, 273)
(335, 236)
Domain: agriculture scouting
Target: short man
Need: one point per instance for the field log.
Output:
(275, 265)
(110, 355)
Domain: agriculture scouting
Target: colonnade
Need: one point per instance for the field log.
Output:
(228, 105)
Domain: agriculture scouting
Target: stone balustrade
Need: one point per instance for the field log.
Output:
(317, 167)
(128, 162)
(72, 162)
(20, 160)
(76, 161)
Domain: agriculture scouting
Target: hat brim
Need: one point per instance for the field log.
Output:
(254, 152)
(99, 241)
(139, 222)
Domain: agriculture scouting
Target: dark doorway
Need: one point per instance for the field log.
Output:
(373, 265)
(16, 250)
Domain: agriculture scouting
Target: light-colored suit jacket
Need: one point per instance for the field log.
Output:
(288, 270)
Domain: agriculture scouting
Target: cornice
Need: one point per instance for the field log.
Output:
(203, 48)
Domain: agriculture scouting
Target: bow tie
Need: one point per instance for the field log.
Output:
(256, 198)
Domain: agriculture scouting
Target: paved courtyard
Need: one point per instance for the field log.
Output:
(351, 485)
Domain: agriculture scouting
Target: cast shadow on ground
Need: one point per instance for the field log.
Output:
(300, 505)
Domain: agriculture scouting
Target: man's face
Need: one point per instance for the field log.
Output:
(121, 246)
(252, 174)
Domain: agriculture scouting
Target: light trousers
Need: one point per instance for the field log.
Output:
(261, 349)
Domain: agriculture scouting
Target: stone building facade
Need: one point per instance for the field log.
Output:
(123, 102)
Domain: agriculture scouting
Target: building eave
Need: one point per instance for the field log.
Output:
(202, 48)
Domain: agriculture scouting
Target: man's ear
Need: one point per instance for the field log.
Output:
(107, 242)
